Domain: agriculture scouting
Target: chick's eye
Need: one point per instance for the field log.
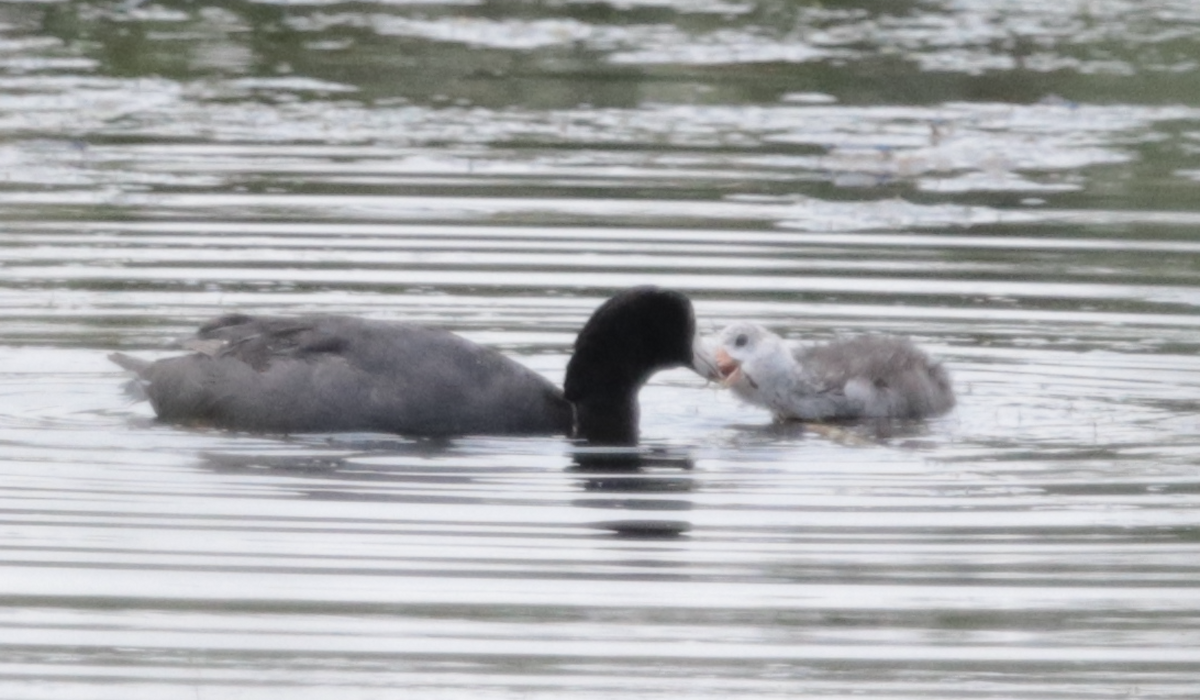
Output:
(741, 341)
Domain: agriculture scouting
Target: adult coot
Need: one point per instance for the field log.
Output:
(868, 376)
(337, 373)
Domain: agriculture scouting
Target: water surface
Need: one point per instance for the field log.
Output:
(1012, 184)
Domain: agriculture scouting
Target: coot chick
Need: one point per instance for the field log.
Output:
(337, 373)
(867, 376)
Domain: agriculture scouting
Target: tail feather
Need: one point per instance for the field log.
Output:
(135, 387)
(129, 362)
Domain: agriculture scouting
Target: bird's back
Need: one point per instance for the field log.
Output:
(334, 373)
(876, 376)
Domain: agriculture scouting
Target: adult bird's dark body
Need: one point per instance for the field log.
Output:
(339, 373)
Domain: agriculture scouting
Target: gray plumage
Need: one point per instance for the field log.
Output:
(337, 373)
(868, 376)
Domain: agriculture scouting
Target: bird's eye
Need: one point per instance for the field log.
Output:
(741, 340)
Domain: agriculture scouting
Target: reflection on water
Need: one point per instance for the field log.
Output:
(1012, 184)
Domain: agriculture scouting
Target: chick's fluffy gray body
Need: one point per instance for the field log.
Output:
(868, 376)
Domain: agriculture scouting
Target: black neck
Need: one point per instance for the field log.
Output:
(628, 338)
(610, 418)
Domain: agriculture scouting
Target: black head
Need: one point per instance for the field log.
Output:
(630, 337)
